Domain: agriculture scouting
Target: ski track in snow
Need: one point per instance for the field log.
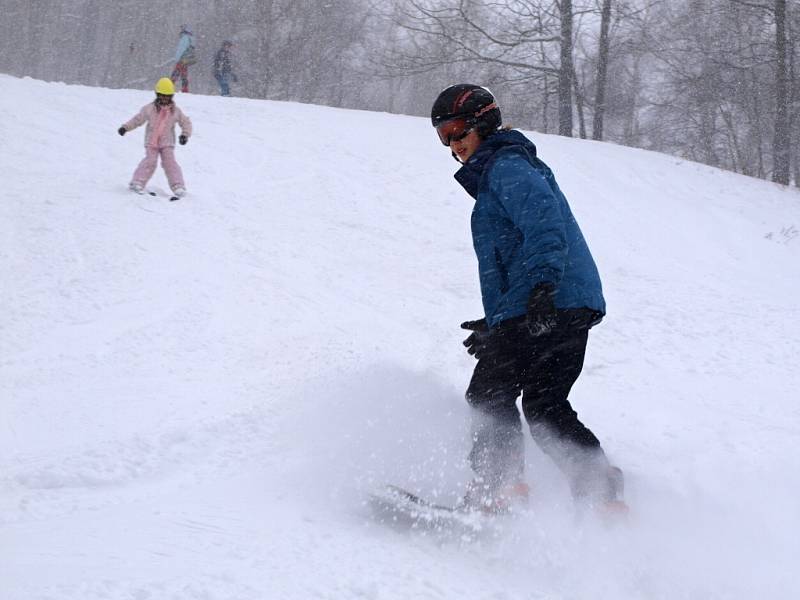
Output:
(197, 396)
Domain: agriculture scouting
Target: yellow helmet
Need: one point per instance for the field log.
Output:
(165, 86)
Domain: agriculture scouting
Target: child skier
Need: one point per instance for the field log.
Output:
(159, 138)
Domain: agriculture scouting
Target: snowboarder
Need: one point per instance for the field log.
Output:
(541, 294)
(159, 138)
(184, 57)
(223, 68)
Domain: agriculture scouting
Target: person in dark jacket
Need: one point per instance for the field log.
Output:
(223, 68)
(541, 294)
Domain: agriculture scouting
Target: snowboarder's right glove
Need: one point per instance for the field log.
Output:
(540, 317)
(121, 131)
(182, 139)
(478, 341)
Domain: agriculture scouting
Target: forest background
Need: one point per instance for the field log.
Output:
(713, 81)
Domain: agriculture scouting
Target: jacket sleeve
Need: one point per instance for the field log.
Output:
(536, 212)
(185, 123)
(137, 120)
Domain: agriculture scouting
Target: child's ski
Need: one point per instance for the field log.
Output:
(172, 198)
(171, 195)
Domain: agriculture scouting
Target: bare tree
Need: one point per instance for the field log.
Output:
(508, 42)
(780, 171)
(602, 71)
(566, 72)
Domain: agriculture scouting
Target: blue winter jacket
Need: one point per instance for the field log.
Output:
(524, 232)
(183, 45)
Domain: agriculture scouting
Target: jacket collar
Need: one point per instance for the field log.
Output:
(469, 175)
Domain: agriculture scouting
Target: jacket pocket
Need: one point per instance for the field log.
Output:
(502, 274)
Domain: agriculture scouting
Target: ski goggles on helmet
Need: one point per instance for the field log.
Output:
(454, 130)
(458, 128)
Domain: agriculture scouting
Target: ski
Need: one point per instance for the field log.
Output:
(172, 198)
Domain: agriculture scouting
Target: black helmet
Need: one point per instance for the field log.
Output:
(468, 101)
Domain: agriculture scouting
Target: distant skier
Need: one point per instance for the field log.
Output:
(159, 138)
(541, 294)
(185, 57)
(223, 68)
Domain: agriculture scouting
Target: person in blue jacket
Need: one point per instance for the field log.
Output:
(184, 58)
(541, 294)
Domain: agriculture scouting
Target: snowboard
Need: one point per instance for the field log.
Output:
(401, 509)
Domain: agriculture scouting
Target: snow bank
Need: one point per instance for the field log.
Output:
(197, 395)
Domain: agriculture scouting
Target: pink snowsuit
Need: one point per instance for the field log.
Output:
(159, 138)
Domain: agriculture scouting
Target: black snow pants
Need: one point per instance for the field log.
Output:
(542, 369)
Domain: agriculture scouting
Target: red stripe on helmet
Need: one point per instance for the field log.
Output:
(459, 101)
(486, 109)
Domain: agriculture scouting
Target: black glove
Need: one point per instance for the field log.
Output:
(121, 131)
(540, 317)
(478, 342)
(182, 139)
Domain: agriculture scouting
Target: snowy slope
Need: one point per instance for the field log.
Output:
(196, 396)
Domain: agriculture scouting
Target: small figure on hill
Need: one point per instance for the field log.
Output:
(223, 68)
(159, 138)
(541, 294)
(185, 56)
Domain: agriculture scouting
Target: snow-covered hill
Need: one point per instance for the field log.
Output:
(196, 396)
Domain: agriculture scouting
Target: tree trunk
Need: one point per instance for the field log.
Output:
(546, 97)
(781, 161)
(630, 134)
(546, 105)
(602, 71)
(579, 105)
(264, 57)
(794, 136)
(565, 72)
